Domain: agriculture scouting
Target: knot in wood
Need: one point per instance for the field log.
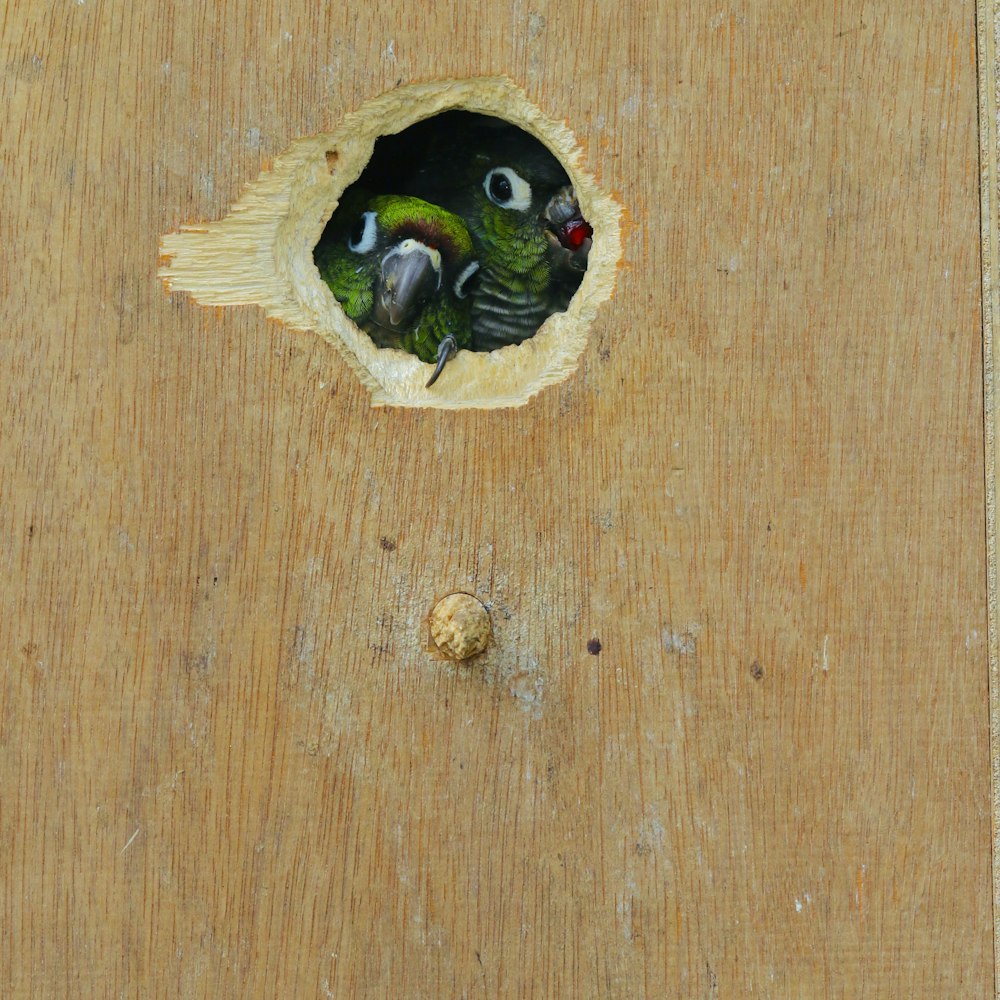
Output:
(460, 626)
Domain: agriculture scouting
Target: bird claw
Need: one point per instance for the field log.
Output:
(446, 349)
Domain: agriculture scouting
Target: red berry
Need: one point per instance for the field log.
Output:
(574, 232)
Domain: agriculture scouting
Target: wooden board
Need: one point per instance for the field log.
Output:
(988, 20)
(228, 765)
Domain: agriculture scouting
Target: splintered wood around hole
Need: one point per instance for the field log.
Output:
(262, 252)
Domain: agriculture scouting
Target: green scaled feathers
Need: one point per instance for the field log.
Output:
(464, 231)
(400, 267)
(505, 185)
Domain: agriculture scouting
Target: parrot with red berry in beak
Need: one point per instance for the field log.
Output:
(522, 215)
(401, 268)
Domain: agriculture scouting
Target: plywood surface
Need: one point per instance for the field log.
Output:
(988, 30)
(229, 767)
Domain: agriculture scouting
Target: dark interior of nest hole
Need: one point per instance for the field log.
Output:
(486, 222)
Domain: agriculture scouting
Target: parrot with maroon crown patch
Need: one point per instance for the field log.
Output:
(402, 269)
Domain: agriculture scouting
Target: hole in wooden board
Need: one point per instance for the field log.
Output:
(262, 252)
(463, 232)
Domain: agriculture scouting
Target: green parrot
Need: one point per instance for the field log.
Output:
(521, 213)
(401, 269)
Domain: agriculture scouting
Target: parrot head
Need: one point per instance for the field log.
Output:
(401, 268)
(515, 181)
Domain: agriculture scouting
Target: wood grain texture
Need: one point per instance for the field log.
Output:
(229, 767)
(988, 25)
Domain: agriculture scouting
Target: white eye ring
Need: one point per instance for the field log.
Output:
(362, 238)
(463, 278)
(507, 189)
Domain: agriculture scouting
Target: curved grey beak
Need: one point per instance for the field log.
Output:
(411, 273)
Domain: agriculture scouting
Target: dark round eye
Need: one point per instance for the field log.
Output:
(362, 238)
(500, 189)
(506, 188)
